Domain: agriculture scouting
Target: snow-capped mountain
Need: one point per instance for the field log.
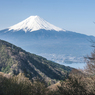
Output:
(38, 36)
(34, 23)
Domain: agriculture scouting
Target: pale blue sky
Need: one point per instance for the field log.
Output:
(73, 15)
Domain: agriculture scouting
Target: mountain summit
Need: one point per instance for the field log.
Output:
(36, 35)
(34, 23)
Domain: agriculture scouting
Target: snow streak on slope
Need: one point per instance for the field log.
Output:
(34, 23)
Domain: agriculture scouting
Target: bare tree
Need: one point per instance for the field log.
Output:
(90, 66)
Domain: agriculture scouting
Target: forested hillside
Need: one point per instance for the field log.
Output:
(14, 60)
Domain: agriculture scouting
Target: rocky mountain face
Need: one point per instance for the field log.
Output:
(14, 60)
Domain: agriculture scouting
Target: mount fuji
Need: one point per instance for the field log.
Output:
(38, 36)
(34, 23)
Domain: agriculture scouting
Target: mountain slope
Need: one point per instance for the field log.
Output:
(57, 46)
(34, 23)
(14, 60)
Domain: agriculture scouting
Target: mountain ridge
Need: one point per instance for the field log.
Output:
(14, 60)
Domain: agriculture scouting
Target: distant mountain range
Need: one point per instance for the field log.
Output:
(40, 37)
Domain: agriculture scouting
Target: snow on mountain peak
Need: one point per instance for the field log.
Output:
(34, 23)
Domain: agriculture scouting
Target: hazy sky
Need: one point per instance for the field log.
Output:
(73, 15)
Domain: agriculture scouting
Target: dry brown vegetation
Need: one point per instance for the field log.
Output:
(76, 84)
(20, 85)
